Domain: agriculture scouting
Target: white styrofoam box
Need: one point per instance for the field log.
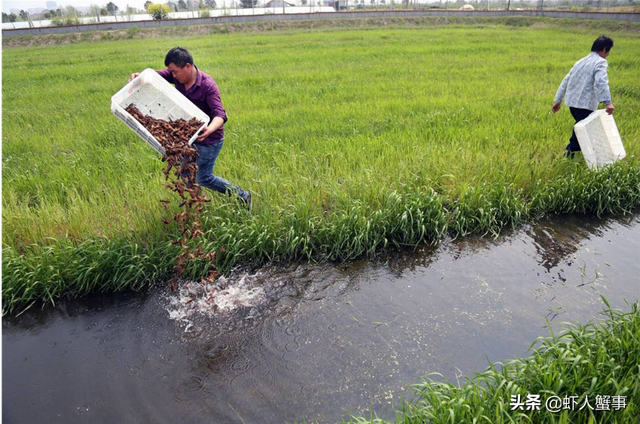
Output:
(599, 139)
(154, 96)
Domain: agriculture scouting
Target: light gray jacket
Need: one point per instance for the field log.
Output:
(587, 84)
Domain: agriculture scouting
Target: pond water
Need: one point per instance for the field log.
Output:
(313, 342)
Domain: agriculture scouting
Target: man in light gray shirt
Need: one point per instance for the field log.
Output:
(586, 86)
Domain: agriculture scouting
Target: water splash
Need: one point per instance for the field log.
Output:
(239, 292)
(242, 297)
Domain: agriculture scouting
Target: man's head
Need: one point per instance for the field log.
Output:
(602, 45)
(180, 62)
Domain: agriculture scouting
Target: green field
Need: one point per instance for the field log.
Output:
(352, 140)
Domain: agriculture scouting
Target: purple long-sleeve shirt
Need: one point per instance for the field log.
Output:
(204, 94)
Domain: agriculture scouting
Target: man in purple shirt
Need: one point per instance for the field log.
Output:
(202, 90)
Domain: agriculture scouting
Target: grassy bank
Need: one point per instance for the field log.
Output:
(351, 140)
(597, 359)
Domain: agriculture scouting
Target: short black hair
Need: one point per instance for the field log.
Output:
(602, 43)
(179, 57)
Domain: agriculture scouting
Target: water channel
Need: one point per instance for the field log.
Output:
(314, 342)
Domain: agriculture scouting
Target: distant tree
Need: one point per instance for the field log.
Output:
(112, 8)
(70, 11)
(248, 3)
(303, 2)
(211, 4)
(172, 6)
(94, 9)
(182, 5)
(159, 11)
(5, 17)
(104, 11)
(204, 9)
(146, 4)
(129, 12)
(26, 17)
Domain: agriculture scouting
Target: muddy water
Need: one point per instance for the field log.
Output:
(313, 342)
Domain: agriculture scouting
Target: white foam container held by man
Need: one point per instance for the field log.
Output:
(599, 140)
(154, 96)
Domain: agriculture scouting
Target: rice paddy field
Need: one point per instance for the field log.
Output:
(353, 140)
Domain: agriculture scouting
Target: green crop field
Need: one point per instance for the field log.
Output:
(352, 140)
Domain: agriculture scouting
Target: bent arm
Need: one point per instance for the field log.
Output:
(215, 104)
(164, 73)
(167, 75)
(601, 84)
(562, 89)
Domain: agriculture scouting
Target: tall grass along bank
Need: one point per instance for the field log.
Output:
(351, 140)
(595, 366)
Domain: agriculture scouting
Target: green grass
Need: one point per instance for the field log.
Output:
(596, 359)
(351, 140)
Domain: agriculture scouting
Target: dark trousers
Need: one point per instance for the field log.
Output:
(578, 115)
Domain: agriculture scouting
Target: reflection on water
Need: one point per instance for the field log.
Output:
(313, 341)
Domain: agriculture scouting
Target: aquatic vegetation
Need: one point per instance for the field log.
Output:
(353, 141)
(584, 360)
